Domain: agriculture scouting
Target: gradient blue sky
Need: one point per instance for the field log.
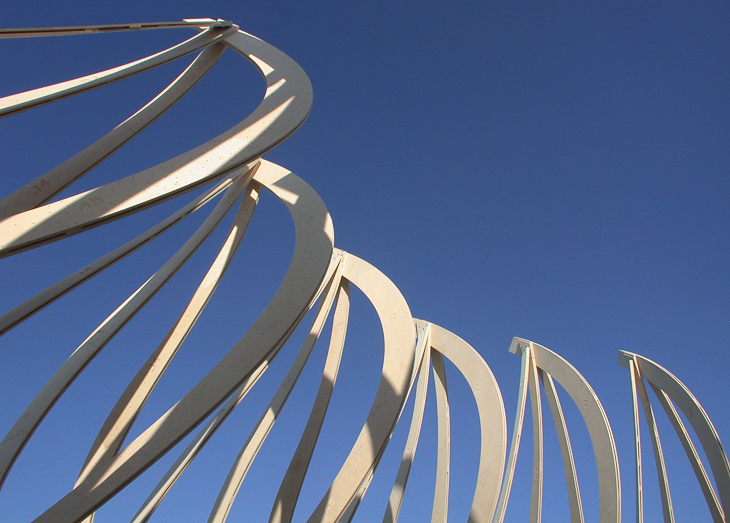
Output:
(557, 172)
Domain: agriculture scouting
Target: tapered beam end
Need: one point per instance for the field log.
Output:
(624, 358)
(518, 345)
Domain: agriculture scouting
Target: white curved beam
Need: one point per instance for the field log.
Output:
(637, 382)
(47, 296)
(253, 444)
(637, 446)
(285, 106)
(312, 253)
(423, 346)
(258, 435)
(665, 383)
(604, 447)
(440, 510)
(122, 416)
(23, 429)
(689, 447)
(514, 446)
(537, 443)
(54, 181)
(571, 477)
(291, 485)
(16, 103)
(399, 337)
(492, 419)
(26, 32)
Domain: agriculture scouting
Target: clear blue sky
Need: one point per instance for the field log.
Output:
(554, 172)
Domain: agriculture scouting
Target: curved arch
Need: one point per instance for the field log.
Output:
(492, 419)
(667, 386)
(51, 183)
(285, 106)
(311, 259)
(17, 437)
(604, 447)
(16, 103)
(399, 338)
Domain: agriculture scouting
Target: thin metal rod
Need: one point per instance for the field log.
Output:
(637, 444)
(516, 435)
(57, 179)
(537, 443)
(440, 509)
(656, 443)
(571, 478)
(414, 432)
(25, 32)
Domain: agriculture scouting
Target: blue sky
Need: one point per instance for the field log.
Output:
(554, 172)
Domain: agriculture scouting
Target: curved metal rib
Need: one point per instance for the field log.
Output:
(255, 440)
(440, 509)
(637, 446)
(316, 268)
(399, 346)
(20, 433)
(571, 478)
(291, 485)
(121, 417)
(694, 457)
(637, 382)
(25, 32)
(604, 447)
(54, 181)
(47, 296)
(514, 447)
(667, 387)
(285, 106)
(537, 443)
(492, 419)
(396, 495)
(311, 259)
(16, 103)
(250, 449)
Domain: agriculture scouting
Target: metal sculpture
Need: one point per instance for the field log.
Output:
(319, 276)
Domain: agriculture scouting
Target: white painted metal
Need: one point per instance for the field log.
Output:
(286, 104)
(399, 343)
(637, 447)
(18, 436)
(492, 419)
(255, 440)
(291, 485)
(20, 102)
(537, 442)
(34, 304)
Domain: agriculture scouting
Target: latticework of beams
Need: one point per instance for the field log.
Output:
(317, 285)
